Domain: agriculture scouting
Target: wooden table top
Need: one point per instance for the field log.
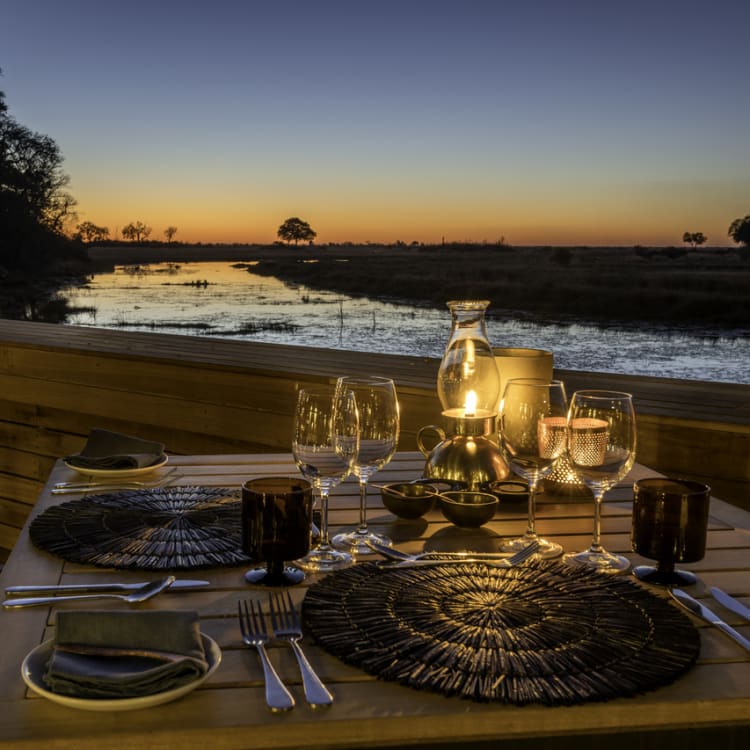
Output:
(711, 701)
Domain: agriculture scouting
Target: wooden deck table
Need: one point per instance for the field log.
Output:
(710, 705)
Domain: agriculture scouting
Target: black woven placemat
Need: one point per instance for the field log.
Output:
(542, 632)
(166, 528)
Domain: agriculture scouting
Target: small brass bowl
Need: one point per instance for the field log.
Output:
(510, 491)
(468, 509)
(409, 500)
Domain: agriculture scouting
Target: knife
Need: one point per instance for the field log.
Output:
(395, 554)
(730, 603)
(424, 562)
(79, 588)
(702, 611)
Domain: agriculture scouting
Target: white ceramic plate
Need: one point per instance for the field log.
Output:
(35, 665)
(118, 473)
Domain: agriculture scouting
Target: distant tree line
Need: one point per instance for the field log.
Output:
(36, 208)
(136, 231)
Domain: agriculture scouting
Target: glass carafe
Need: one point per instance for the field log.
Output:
(468, 380)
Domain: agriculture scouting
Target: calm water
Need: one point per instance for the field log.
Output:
(217, 299)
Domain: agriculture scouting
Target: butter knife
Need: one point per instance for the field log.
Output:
(730, 603)
(702, 611)
(79, 588)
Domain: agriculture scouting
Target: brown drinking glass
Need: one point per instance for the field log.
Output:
(670, 518)
(276, 523)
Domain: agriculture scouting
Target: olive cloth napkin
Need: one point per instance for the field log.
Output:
(114, 654)
(112, 450)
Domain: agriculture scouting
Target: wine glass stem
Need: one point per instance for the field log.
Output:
(596, 545)
(324, 541)
(362, 506)
(531, 527)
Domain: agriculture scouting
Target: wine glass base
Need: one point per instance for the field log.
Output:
(288, 576)
(651, 574)
(603, 561)
(356, 542)
(324, 559)
(547, 550)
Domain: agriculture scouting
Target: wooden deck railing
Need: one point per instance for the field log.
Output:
(203, 395)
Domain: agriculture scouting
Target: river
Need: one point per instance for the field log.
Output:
(228, 300)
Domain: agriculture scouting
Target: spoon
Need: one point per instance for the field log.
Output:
(140, 595)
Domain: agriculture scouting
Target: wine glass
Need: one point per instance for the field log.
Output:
(324, 447)
(377, 405)
(533, 427)
(601, 450)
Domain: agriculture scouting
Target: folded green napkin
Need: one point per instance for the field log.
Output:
(112, 450)
(111, 654)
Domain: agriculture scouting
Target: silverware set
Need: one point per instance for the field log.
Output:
(134, 597)
(285, 626)
(397, 559)
(48, 594)
(701, 610)
(68, 488)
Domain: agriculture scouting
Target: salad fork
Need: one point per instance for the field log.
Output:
(254, 634)
(286, 627)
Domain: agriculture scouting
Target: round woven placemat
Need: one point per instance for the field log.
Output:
(542, 633)
(166, 528)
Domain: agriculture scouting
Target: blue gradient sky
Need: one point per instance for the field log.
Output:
(545, 122)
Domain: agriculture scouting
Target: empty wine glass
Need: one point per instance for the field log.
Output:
(533, 428)
(324, 448)
(377, 406)
(601, 450)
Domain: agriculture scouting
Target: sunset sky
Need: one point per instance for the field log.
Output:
(544, 122)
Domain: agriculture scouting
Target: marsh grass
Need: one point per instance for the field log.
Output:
(707, 288)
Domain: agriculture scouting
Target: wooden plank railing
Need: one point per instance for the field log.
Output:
(204, 395)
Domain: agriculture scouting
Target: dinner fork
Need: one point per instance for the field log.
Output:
(286, 627)
(254, 633)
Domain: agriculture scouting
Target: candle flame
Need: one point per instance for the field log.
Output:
(470, 404)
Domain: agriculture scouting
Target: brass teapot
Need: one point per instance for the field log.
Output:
(469, 456)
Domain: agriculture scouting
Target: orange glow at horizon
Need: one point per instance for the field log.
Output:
(579, 214)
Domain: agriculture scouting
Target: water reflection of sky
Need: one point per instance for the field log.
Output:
(175, 300)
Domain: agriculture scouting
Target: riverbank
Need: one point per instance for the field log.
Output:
(26, 296)
(704, 289)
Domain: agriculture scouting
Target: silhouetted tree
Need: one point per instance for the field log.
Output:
(694, 238)
(169, 233)
(90, 232)
(34, 207)
(739, 231)
(296, 229)
(136, 231)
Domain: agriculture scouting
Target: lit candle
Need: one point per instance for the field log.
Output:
(470, 404)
